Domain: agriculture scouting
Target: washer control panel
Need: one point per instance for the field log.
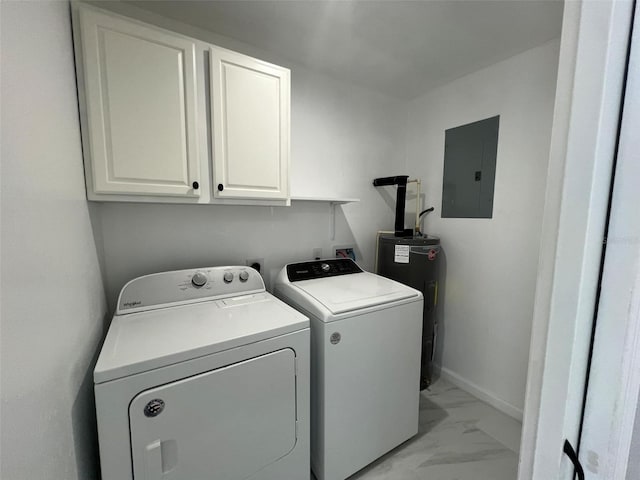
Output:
(164, 289)
(321, 269)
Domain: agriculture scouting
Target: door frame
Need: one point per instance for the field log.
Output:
(588, 97)
(614, 377)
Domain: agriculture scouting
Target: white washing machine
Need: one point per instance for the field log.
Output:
(365, 361)
(203, 375)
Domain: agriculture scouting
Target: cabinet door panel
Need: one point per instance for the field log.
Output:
(141, 107)
(250, 105)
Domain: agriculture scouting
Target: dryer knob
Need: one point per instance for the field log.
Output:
(228, 277)
(244, 276)
(199, 279)
(325, 267)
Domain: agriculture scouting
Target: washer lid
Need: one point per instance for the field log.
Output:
(139, 342)
(355, 291)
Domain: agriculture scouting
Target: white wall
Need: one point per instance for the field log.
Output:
(491, 264)
(53, 303)
(342, 136)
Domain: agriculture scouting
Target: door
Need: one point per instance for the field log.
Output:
(225, 424)
(140, 97)
(593, 56)
(250, 112)
(614, 376)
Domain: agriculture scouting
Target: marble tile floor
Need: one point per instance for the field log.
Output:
(460, 438)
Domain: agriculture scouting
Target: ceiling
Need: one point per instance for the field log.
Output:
(399, 48)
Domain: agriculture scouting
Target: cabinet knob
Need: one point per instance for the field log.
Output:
(195, 185)
(220, 187)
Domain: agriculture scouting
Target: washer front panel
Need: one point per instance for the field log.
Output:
(354, 401)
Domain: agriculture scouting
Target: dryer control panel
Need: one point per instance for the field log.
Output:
(179, 287)
(321, 269)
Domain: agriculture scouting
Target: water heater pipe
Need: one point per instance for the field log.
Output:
(401, 182)
(401, 193)
(416, 228)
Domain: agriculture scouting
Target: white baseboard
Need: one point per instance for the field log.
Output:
(479, 392)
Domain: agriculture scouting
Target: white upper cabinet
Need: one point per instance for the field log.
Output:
(147, 134)
(141, 108)
(250, 107)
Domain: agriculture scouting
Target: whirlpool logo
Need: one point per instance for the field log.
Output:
(132, 304)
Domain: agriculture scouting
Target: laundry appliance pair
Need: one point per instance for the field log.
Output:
(205, 375)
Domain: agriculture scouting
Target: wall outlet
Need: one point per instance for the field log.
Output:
(344, 251)
(257, 263)
(317, 253)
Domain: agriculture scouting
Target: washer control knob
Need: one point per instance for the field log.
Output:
(325, 267)
(244, 276)
(228, 277)
(199, 279)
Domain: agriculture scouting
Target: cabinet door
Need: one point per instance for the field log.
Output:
(140, 98)
(250, 112)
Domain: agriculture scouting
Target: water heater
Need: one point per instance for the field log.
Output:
(415, 261)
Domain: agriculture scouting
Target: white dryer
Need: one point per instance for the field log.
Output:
(203, 375)
(365, 361)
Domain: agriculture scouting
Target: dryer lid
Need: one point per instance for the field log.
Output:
(356, 291)
(147, 340)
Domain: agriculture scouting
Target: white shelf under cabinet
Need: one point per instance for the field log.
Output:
(333, 200)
